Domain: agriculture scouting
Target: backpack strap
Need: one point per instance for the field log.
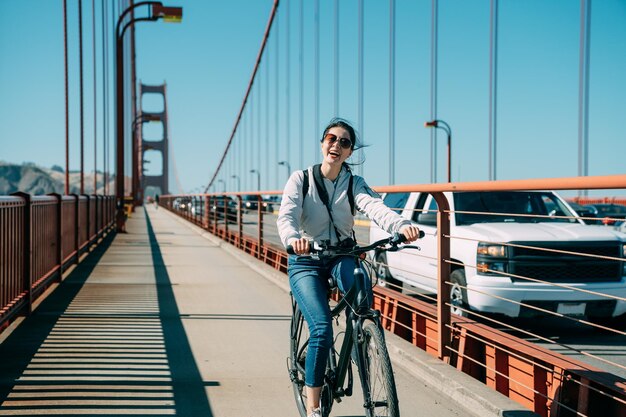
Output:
(351, 194)
(305, 184)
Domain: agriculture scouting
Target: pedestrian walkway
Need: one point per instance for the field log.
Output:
(165, 321)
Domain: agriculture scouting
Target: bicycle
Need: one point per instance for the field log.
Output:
(363, 343)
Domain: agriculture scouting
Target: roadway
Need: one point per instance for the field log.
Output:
(168, 320)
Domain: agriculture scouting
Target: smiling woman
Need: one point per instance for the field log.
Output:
(327, 216)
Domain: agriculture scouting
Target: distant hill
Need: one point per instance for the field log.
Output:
(32, 179)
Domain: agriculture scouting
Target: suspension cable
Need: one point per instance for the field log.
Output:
(245, 99)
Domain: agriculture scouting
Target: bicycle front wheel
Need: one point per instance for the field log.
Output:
(299, 343)
(378, 374)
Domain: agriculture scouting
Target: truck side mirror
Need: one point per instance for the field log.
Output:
(427, 218)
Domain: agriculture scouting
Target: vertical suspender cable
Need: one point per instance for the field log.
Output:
(583, 91)
(252, 152)
(360, 81)
(135, 161)
(67, 111)
(82, 119)
(336, 25)
(277, 103)
(316, 124)
(267, 123)
(243, 105)
(493, 84)
(95, 96)
(301, 160)
(392, 91)
(433, 91)
(287, 84)
(104, 97)
(244, 143)
(258, 126)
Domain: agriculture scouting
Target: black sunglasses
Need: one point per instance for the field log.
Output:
(345, 143)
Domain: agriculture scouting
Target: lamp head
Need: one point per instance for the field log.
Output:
(432, 123)
(168, 14)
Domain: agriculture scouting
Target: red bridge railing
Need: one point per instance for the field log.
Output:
(40, 236)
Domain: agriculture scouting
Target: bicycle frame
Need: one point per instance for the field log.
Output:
(357, 311)
(363, 332)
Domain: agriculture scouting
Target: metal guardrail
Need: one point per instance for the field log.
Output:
(544, 381)
(40, 236)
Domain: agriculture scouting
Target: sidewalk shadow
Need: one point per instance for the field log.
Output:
(189, 389)
(20, 347)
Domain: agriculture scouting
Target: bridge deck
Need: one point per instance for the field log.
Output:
(164, 321)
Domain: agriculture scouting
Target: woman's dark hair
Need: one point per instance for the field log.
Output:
(356, 142)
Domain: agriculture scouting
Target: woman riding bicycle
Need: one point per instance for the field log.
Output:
(303, 219)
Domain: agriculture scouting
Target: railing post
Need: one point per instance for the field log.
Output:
(214, 228)
(26, 250)
(88, 225)
(260, 220)
(444, 321)
(205, 213)
(76, 226)
(58, 220)
(239, 222)
(95, 217)
(225, 200)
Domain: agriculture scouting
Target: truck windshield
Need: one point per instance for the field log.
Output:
(510, 206)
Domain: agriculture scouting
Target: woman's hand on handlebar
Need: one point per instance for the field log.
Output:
(300, 246)
(411, 233)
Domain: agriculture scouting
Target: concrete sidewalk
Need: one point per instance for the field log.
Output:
(167, 320)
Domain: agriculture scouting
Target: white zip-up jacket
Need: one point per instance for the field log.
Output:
(312, 221)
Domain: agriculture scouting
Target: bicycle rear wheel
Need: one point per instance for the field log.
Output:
(299, 341)
(378, 374)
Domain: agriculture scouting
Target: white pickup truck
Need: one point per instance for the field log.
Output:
(491, 254)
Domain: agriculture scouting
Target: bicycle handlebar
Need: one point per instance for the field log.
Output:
(328, 250)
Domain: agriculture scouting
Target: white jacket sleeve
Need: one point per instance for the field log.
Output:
(369, 202)
(290, 212)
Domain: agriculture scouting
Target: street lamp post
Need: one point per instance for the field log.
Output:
(157, 11)
(258, 178)
(286, 163)
(440, 124)
(238, 181)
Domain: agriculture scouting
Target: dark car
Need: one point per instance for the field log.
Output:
(589, 213)
(271, 202)
(217, 206)
(250, 202)
(608, 213)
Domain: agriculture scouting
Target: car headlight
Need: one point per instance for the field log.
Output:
(489, 258)
(494, 251)
(624, 251)
(491, 268)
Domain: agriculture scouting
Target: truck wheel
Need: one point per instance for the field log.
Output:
(384, 276)
(458, 294)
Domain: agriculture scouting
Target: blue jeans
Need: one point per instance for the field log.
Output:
(308, 279)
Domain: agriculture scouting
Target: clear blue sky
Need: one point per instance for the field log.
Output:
(207, 60)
